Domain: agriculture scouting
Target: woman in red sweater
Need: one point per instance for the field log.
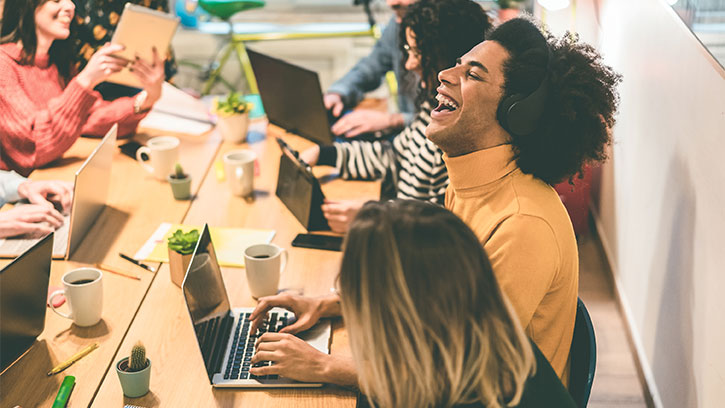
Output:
(44, 107)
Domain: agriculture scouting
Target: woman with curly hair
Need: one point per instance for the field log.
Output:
(433, 34)
(518, 113)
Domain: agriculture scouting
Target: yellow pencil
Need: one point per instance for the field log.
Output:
(111, 269)
(79, 355)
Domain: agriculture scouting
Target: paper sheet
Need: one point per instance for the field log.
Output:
(229, 243)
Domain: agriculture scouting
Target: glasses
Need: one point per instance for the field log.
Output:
(412, 51)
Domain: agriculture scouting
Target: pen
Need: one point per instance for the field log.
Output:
(143, 265)
(79, 355)
(116, 271)
(61, 400)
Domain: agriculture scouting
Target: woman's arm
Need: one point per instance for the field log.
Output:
(32, 135)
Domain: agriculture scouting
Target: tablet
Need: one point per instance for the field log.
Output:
(139, 30)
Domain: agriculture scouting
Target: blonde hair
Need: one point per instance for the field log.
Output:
(428, 324)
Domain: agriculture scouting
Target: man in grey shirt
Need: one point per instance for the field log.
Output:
(366, 76)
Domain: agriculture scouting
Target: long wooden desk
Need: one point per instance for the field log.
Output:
(178, 377)
(136, 204)
(152, 310)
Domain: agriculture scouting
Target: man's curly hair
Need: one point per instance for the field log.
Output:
(444, 30)
(581, 103)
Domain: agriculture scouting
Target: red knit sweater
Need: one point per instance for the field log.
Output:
(40, 118)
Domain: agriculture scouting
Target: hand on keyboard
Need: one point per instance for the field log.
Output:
(285, 355)
(307, 311)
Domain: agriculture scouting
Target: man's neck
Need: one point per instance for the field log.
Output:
(491, 138)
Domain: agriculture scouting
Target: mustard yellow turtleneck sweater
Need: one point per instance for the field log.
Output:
(529, 239)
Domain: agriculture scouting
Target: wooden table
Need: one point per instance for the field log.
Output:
(178, 377)
(136, 205)
(152, 310)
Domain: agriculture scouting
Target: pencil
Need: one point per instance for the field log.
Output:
(79, 355)
(116, 271)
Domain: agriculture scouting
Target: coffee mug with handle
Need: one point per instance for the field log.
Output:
(264, 263)
(83, 289)
(163, 153)
(239, 170)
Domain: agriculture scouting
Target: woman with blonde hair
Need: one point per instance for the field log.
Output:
(427, 322)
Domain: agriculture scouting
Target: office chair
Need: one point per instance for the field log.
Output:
(583, 354)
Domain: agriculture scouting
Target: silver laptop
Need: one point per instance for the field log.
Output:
(23, 290)
(224, 334)
(89, 198)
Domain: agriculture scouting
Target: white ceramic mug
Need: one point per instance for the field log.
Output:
(163, 153)
(264, 263)
(239, 170)
(83, 289)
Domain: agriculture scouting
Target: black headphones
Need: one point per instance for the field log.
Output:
(519, 114)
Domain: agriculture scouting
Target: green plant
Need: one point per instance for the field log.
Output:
(506, 4)
(234, 103)
(137, 361)
(183, 243)
(178, 172)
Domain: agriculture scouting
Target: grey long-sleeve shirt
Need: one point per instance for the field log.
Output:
(370, 71)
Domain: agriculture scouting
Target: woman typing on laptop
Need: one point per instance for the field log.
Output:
(433, 34)
(44, 105)
(427, 322)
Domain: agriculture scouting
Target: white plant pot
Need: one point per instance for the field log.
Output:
(233, 127)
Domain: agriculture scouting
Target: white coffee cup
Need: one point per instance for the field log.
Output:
(163, 153)
(264, 263)
(239, 170)
(83, 289)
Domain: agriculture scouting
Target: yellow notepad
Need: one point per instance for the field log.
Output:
(229, 243)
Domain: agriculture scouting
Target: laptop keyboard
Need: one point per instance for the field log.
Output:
(242, 347)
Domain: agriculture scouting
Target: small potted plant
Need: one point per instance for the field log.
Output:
(134, 372)
(233, 117)
(508, 9)
(180, 183)
(181, 246)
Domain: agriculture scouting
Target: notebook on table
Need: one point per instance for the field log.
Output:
(292, 98)
(224, 335)
(90, 192)
(23, 292)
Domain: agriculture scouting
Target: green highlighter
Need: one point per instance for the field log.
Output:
(64, 392)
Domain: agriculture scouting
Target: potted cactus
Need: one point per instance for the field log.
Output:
(180, 183)
(181, 246)
(233, 117)
(134, 372)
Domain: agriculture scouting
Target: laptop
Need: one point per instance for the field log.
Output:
(292, 98)
(90, 192)
(225, 340)
(23, 293)
(299, 190)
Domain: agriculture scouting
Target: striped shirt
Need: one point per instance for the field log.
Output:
(409, 162)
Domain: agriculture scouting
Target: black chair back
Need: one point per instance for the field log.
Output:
(583, 357)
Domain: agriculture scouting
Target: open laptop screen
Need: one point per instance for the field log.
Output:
(23, 290)
(207, 301)
(292, 97)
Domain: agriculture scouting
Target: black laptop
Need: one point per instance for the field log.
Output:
(292, 98)
(23, 294)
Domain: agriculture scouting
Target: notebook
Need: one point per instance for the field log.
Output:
(225, 340)
(23, 292)
(90, 193)
(292, 98)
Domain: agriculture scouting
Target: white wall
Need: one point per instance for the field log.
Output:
(660, 206)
